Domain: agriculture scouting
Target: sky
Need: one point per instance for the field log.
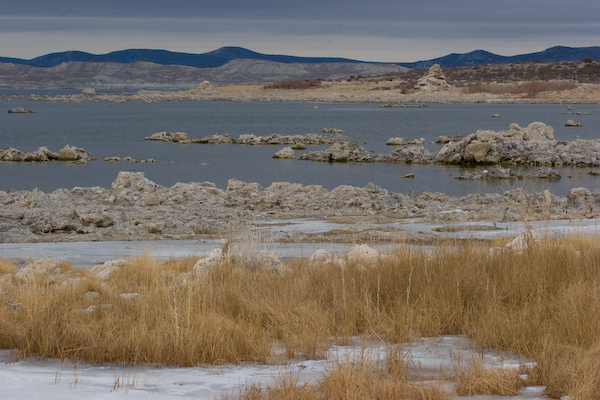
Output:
(373, 30)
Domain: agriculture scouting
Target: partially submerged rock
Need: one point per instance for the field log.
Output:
(177, 137)
(396, 141)
(67, 153)
(574, 123)
(20, 110)
(343, 152)
(498, 172)
(410, 155)
(285, 153)
(532, 145)
(218, 138)
(443, 139)
(39, 155)
(72, 153)
(274, 139)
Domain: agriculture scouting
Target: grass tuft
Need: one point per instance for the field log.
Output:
(478, 380)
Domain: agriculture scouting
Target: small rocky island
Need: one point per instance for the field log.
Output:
(42, 154)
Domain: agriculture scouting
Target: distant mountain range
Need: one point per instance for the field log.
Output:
(213, 59)
(222, 56)
(557, 53)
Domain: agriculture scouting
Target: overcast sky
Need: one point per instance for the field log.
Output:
(372, 30)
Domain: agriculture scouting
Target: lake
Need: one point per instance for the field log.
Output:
(117, 129)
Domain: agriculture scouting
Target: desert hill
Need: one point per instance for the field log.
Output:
(161, 69)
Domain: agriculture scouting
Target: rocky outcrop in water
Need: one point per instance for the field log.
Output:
(219, 138)
(352, 152)
(398, 141)
(135, 208)
(72, 153)
(410, 155)
(20, 110)
(574, 123)
(498, 172)
(286, 153)
(67, 153)
(275, 139)
(532, 145)
(177, 137)
(39, 155)
(343, 152)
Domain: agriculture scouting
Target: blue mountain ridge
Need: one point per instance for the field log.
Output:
(219, 57)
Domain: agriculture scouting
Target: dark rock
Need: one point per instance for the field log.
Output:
(20, 110)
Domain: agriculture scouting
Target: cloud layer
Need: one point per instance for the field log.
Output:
(378, 30)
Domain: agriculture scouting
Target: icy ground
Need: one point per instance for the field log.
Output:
(53, 379)
(86, 254)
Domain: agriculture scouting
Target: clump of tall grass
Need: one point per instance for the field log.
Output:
(353, 378)
(476, 379)
(6, 267)
(541, 303)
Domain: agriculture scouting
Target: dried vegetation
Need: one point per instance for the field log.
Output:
(541, 303)
(295, 84)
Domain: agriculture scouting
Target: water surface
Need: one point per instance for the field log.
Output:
(117, 129)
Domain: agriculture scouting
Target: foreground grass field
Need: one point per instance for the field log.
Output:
(542, 303)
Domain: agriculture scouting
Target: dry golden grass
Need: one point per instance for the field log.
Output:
(542, 303)
(6, 267)
(358, 378)
(476, 379)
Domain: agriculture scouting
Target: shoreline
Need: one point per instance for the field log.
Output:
(337, 93)
(136, 208)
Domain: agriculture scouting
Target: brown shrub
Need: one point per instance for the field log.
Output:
(527, 88)
(298, 84)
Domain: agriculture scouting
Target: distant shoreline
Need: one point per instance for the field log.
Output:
(336, 95)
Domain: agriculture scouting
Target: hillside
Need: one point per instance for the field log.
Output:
(213, 59)
(76, 74)
(481, 57)
(574, 71)
(222, 56)
(161, 69)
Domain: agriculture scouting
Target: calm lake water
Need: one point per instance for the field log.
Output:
(117, 129)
